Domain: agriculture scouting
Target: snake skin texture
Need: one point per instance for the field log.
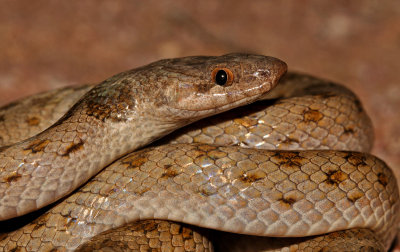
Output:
(346, 240)
(307, 113)
(301, 113)
(236, 189)
(27, 117)
(121, 114)
(233, 189)
(150, 235)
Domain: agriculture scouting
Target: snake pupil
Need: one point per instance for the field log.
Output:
(221, 77)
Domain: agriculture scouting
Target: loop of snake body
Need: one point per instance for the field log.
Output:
(208, 174)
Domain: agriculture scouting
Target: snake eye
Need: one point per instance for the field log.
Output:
(222, 76)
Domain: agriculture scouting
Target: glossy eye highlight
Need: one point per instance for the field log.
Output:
(222, 76)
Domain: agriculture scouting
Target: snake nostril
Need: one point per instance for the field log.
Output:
(262, 73)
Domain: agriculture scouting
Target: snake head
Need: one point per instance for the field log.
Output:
(195, 87)
(182, 90)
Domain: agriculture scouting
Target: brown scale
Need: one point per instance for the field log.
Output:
(12, 177)
(150, 236)
(73, 148)
(37, 146)
(33, 121)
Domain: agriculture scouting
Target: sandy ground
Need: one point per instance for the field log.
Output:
(48, 44)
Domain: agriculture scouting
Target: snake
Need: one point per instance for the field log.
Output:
(292, 165)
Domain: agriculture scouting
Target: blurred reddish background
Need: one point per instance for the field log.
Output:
(49, 44)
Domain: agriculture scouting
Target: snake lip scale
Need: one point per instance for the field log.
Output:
(192, 177)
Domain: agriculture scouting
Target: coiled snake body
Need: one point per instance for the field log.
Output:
(208, 174)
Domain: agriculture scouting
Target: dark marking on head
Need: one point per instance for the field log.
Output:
(37, 145)
(382, 179)
(33, 121)
(73, 147)
(335, 177)
(12, 177)
(99, 111)
(104, 102)
(313, 115)
(2, 119)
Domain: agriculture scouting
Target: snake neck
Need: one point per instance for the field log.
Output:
(70, 152)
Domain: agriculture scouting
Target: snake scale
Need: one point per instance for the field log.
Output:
(291, 165)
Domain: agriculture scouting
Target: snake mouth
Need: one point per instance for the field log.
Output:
(250, 96)
(193, 115)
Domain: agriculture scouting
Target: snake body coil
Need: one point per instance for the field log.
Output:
(194, 179)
